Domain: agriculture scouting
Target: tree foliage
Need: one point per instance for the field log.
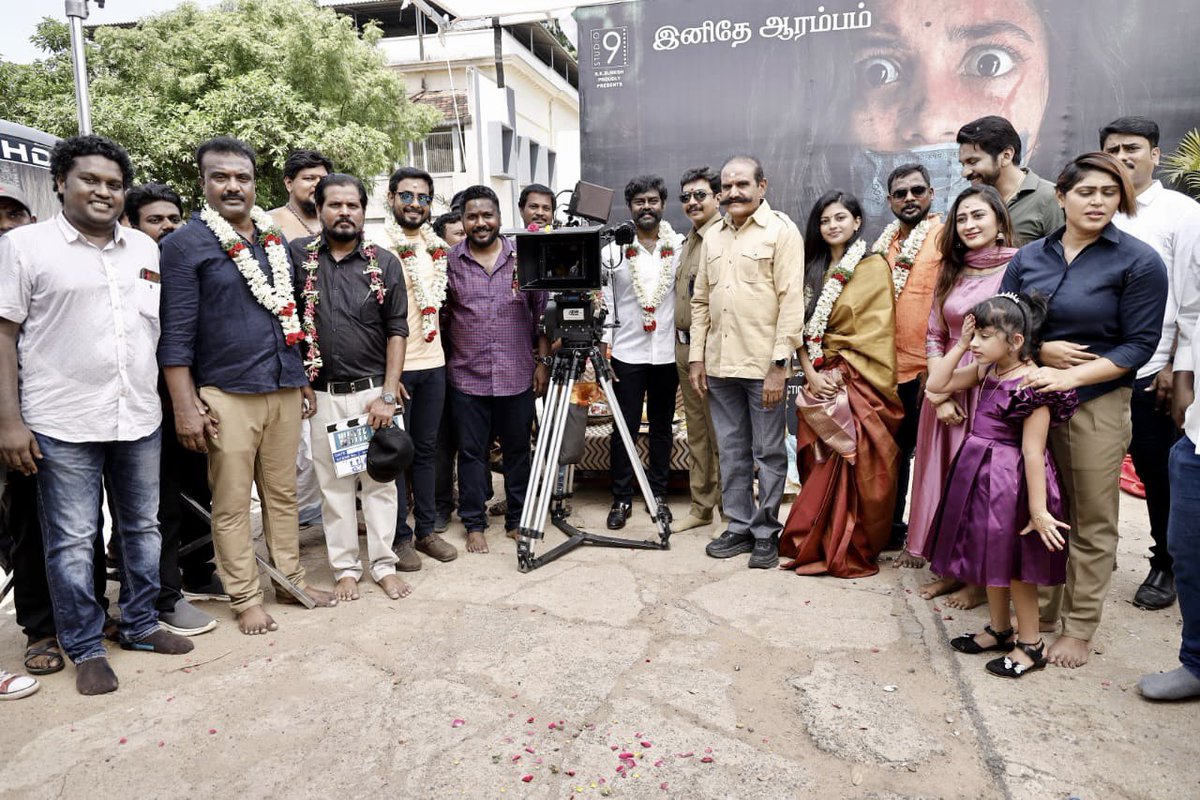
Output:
(280, 74)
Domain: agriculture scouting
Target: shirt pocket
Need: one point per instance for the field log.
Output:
(756, 264)
(712, 269)
(370, 309)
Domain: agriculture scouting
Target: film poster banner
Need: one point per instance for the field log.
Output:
(837, 93)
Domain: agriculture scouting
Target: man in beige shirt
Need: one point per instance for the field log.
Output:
(747, 322)
(699, 188)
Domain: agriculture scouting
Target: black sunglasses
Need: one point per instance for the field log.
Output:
(699, 194)
(917, 192)
(408, 197)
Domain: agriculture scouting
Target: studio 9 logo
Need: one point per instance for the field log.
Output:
(610, 48)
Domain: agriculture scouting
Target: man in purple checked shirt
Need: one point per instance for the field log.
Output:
(491, 329)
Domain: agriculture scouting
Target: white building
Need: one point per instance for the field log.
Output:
(507, 93)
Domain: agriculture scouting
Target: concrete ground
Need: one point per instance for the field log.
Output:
(613, 673)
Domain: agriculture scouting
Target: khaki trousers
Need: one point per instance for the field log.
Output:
(259, 435)
(1089, 450)
(340, 518)
(702, 442)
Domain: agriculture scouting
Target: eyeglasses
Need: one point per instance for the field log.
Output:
(408, 197)
(699, 194)
(917, 192)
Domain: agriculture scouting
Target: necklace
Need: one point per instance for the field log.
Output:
(835, 281)
(429, 291)
(647, 300)
(300, 219)
(908, 250)
(275, 295)
(312, 296)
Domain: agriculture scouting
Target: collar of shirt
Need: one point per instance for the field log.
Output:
(1111, 233)
(72, 234)
(507, 249)
(761, 216)
(356, 253)
(1150, 194)
(1029, 184)
(695, 235)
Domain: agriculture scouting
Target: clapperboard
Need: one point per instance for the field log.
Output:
(349, 440)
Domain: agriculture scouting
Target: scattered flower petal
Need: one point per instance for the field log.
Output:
(122, 740)
(526, 778)
(458, 723)
(706, 760)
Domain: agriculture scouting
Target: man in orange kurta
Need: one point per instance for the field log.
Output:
(910, 197)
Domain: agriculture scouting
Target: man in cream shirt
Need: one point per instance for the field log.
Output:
(747, 322)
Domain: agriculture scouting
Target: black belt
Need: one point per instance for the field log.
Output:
(347, 387)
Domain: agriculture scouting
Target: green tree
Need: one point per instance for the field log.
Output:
(280, 74)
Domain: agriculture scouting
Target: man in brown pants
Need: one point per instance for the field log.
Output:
(232, 330)
(698, 196)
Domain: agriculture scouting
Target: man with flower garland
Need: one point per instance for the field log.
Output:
(747, 324)
(640, 297)
(230, 353)
(423, 257)
(354, 313)
(909, 245)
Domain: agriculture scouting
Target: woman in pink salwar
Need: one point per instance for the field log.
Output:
(974, 257)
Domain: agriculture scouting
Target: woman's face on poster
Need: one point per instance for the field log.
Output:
(926, 68)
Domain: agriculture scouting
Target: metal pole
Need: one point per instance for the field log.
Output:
(77, 12)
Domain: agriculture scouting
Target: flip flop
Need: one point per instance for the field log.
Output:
(45, 648)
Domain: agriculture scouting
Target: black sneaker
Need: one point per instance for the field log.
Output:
(765, 555)
(441, 522)
(730, 544)
(618, 514)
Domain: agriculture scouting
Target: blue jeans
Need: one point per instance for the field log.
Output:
(422, 420)
(70, 477)
(1183, 540)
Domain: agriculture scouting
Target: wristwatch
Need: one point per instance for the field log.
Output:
(388, 398)
(780, 362)
(545, 361)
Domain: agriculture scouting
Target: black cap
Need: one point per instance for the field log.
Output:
(389, 454)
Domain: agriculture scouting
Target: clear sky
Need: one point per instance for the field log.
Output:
(22, 16)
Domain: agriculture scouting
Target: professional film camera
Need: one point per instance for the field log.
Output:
(567, 262)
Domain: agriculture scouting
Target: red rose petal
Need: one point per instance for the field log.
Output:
(458, 723)
(529, 721)
(664, 786)
(706, 760)
(526, 778)
(211, 731)
(646, 744)
(122, 740)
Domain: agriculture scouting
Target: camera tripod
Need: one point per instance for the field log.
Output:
(547, 493)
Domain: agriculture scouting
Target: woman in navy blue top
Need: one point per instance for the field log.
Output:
(1107, 291)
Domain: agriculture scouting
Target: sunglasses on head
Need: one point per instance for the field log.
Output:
(699, 194)
(408, 197)
(916, 191)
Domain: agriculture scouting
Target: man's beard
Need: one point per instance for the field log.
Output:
(403, 222)
(308, 207)
(648, 220)
(342, 235)
(494, 234)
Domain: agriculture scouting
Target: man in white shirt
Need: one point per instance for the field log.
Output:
(640, 294)
(79, 300)
(1170, 223)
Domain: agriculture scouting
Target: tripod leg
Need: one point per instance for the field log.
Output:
(550, 473)
(604, 375)
(534, 492)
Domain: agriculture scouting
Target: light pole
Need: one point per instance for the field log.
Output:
(77, 12)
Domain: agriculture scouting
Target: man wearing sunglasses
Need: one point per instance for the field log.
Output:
(910, 246)
(989, 150)
(423, 384)
(699, 188)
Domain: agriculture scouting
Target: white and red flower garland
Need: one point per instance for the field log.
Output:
(311, 297)
(908, 250)
(649, 302)
(275, 295)
(835, 281)
(431, 293)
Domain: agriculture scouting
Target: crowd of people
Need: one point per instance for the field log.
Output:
(1007, 356)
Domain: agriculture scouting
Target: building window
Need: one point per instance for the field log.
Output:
(436, 154)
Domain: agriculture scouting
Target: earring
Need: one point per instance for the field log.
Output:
(999, 237)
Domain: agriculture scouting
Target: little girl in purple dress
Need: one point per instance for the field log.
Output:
(1003, 484)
